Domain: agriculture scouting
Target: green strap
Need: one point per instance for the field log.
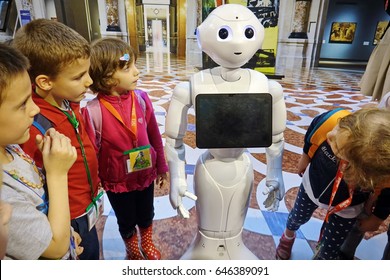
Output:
(136, 149)
(100, 194)
(75, 123)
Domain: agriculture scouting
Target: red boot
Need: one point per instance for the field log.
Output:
(283, 251)
(147, 247)
(132, 248)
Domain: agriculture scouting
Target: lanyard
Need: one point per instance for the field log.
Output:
(75, 123)
(133, 123)
(44, 206)
(344, 204)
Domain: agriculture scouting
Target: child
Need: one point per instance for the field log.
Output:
(369, 221)
(130, 148)
(60, 61)
(351, 160)
(35, 230)
(5, 215)
(376, 211)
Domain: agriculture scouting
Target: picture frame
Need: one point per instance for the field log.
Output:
(379, 31)
(5, 6)
(342, 32)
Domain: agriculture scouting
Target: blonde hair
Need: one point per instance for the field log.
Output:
(368, 147)
(50, 46)
(105, 60)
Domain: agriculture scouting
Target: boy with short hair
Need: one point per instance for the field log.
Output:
(35, 229)
(60, 60)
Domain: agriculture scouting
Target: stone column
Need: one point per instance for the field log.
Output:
(112, 15)
(300, 21)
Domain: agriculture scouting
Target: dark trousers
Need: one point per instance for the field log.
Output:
(133, 208)
(348, 249)
(90, 240)
(386, 252)
(350, 244)
(334, 231)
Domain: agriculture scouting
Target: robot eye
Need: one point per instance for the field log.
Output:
(224, 33)
(249, 32)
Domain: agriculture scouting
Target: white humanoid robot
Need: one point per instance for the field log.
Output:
(223, 178)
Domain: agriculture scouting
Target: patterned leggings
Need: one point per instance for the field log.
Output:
(333, 232)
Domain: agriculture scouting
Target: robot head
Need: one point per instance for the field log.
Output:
(230, 35)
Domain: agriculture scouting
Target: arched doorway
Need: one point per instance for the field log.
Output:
(142, 15)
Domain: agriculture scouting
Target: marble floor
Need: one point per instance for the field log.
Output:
(307, 94)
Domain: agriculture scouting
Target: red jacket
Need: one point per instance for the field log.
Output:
(116, 139)
(80, 194)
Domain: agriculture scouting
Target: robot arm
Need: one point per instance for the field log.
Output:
(274, 153)
(175, 128)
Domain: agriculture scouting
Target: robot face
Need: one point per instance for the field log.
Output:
(230, 35)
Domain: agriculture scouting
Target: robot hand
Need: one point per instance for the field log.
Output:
(181, 210)
(275, 193)
(177, 192)
(178, 184)
(274, 182)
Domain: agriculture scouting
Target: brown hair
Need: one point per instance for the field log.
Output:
(368, 147)
(12, 64)
(105, 60)
(50, 46)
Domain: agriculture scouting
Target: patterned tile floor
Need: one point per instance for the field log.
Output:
(307, 93)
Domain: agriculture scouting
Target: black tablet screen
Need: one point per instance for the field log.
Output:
(233, 120)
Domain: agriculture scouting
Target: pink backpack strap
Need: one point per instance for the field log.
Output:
(141, 100)
(95, 115)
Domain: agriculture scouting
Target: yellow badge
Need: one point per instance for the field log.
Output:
(138, 159)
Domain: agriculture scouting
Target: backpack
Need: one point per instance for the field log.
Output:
(42, 123)
(326, 123)
(95, 114)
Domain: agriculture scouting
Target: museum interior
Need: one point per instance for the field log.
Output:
(318, 50)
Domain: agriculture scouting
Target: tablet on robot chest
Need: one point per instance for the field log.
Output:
(233, 120)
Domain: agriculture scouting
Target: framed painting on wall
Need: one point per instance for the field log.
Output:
(379, 31)
(5, 6)
(342, 32)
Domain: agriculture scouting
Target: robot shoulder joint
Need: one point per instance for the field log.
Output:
(182, 93)
(276, 90)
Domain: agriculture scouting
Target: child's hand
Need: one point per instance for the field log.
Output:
(302, 164)
(370, 203)
(77, 240)
(57, 152)
(161, 179)
(371, 223)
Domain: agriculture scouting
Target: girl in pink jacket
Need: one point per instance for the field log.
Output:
(122, 124)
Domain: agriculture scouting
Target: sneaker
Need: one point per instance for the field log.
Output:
(283, 251)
